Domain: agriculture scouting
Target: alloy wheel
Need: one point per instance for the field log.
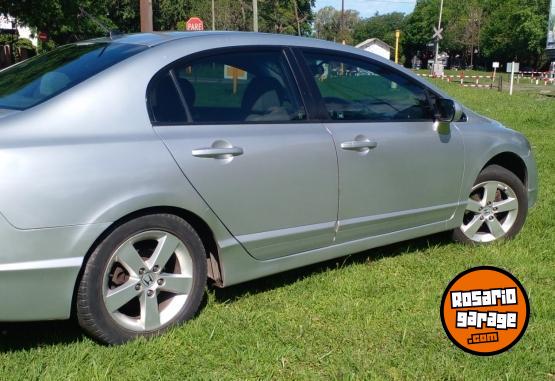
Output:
(491, 212)
(147, 281)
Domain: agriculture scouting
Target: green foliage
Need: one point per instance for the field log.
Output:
(286, 16)
(499, 30)
(380, 26)
(24, 43)
(328, 24)
(6, 39)
(60, 18)
(517, 31)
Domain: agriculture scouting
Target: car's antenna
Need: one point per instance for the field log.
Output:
(109, 32)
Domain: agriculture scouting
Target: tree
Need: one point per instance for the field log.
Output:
(286, 16)
(328, 24)
(499, 30)
(517, 31)
(380, 26)
(60, 18)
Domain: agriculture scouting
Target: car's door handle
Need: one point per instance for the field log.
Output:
(218, 153)
(358, 145)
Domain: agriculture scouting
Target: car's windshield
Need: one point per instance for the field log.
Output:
(40, 78)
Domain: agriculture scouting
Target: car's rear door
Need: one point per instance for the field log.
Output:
(245, 143)
(398, 169)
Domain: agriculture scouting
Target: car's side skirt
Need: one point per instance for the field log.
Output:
(237, 267)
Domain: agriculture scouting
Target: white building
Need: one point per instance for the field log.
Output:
(376, 46)
(8, 22)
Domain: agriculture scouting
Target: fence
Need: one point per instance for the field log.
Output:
(7, 57)
(470, 80)
(537, 77)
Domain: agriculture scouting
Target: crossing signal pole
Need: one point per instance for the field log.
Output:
(438, 37)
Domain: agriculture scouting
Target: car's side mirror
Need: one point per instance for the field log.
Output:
(447, 110)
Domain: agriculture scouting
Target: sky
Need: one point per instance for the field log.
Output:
(368, 8)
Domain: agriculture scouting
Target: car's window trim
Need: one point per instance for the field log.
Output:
(169, 68)
(325, 117)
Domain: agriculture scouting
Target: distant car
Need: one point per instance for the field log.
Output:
(136, 168)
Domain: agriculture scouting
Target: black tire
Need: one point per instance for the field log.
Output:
(498, 173)
(91, 310)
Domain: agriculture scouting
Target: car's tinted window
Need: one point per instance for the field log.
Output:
(357, 89)
(165, 102)
(33, 81)
(236, 87)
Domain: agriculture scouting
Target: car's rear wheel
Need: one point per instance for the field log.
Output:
(497, 208)
(146, 276)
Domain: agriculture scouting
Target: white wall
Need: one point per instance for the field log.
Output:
(6, 22)
(376, 49)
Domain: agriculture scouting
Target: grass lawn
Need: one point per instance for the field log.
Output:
(372, 315)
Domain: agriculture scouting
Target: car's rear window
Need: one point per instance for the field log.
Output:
(40, 78)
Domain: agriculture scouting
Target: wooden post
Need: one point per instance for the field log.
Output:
(397, 36)
(512, 78)
(146, 16)
(235, 76)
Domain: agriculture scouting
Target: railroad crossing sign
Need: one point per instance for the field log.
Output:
(437, 34)
(194, 23)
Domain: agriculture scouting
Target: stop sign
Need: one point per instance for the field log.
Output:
(195, 23)
(43, 36)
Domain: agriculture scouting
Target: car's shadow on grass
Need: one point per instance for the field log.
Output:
(22, 336)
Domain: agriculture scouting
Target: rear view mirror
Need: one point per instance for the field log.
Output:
(447, 110)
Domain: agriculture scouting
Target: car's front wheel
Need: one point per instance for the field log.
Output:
(146, 276)
(497, 207)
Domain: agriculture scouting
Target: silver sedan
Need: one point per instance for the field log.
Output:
(137, 168)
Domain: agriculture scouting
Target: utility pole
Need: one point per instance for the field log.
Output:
(213, 16)
(146, 16)
(255, 15)
(439, 29)
(342, 22)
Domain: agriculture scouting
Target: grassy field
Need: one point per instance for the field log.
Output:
(372, 315)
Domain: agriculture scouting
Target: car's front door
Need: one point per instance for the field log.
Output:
(397, 168)
(244, 142)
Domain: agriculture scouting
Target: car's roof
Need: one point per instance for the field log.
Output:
(146, 39)
(157, 38)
